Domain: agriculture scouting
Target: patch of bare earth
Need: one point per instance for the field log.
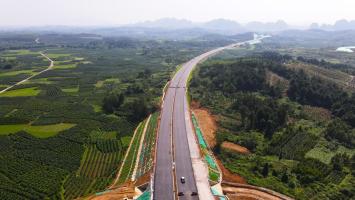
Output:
(208, 125)
(235, 193)
(229, 176)
(124, 191)
(248, 192)
(235, 147)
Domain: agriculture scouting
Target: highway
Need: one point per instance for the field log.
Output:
(173, 159)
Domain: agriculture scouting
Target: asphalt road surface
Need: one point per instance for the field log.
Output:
(173, 159)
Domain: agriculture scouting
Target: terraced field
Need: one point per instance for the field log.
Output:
(98, 167)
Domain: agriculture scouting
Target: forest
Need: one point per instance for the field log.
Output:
(297, 126)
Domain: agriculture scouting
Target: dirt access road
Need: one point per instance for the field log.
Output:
(51, 65)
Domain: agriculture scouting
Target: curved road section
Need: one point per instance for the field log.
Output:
(173, 159)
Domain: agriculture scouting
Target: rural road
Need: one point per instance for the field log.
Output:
(51, 65)
(173, 159)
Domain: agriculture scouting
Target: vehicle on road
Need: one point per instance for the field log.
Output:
(182, 179)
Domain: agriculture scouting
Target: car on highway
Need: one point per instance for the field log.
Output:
(182, 179)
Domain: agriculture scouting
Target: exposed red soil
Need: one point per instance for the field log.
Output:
(229, 176)
(235, 147)
(208, 125)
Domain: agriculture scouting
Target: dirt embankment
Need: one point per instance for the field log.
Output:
(125, 191)
(246, 192)
(207, 123)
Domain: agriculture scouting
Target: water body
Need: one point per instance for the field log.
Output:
(346, 49)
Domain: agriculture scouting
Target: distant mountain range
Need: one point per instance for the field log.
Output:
(172, 28)
(339, 25)
(216, 26)
(232, 27)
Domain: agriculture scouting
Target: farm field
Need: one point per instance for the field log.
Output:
(23, 92)
(73, 124)
(268, 94)
(43, 131)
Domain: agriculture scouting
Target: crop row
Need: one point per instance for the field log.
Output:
(128, 165)
(99, 164)
(146, 157)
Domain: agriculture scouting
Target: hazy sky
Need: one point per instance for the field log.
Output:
(114, 12)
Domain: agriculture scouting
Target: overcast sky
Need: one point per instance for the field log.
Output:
(115, 12)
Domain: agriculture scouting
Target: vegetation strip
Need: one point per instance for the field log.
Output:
(125, 157)
(128, 164)
(146, 158)
(139, 153)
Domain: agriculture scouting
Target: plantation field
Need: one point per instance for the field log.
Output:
(71, 90)
(39, 81)
(14, 73)
(20, 52)
(99, 164)
(24, 92)
(332, 75)
(57, 55)
(103, 87)
(100, 84)
(68, 66)
(43, 131)
(105, 163)
(324, 151)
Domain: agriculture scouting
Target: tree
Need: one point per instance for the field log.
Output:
(265, 171)
(112, 102)
(352, 164)
(263, 114)
(284, 177)
(340, 131)
(339, 161)
(137, 110)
